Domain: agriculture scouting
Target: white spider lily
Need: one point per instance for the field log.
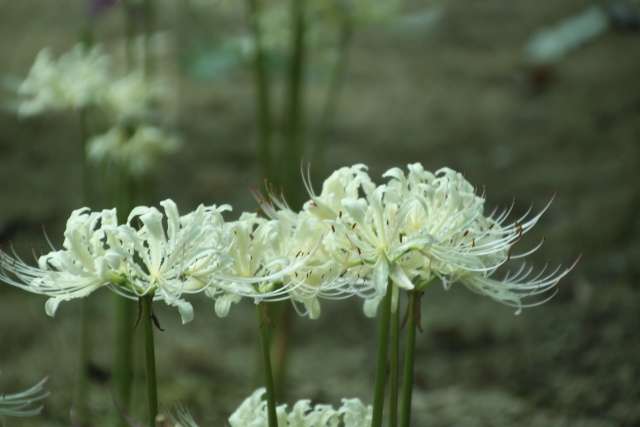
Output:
(355, 414)
(168, 263)
(345, 183)
(322, 276)
(84, 265)
(262, 260)
(22, 404)
(76, 80)
(130, 260)
(470, 247)
(423, 226)
(137, 150)
(253, 413)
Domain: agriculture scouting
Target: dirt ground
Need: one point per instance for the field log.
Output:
(447, 88)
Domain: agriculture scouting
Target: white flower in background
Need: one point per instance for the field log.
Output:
(139, 150)
(22, 404)
(84, 265)
(134, 97)
(355, 414)
(76, 80)
(253, 413)
(180, 259)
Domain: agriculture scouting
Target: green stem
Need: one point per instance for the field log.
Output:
(129, 31)
(294, 138)
(263, 95)
(280, 345)
(266, 359)
(149, 358)
(381, 361)
(79, 399)
(335, 83)
(409, 355)
(83, 365)
(124, 311)
(149, 27)
(393, 375)
(86, 175)
(123, 363)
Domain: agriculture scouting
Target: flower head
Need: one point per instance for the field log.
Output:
(76, 80)
(415, 228)
(139, 258)
(85, 264)
(253, 413)
(138, 150)
(180, 259)
(262, 259)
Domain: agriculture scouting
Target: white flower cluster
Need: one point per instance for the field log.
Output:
(87, 78)
(253, 413)
(135, 259)
(78, 79)
(354, 238)
(413, 229)
(140, 148)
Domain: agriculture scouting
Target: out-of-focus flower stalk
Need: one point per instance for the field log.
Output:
(263, 90)
(330, 107)
(294, 105)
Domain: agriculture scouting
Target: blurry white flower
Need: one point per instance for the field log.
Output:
(22, 404)
(253, 413)
(134, 97)
(76, 80)
(355, 414)
(138, 150)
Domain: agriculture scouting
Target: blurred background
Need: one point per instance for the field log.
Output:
(446, 83)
